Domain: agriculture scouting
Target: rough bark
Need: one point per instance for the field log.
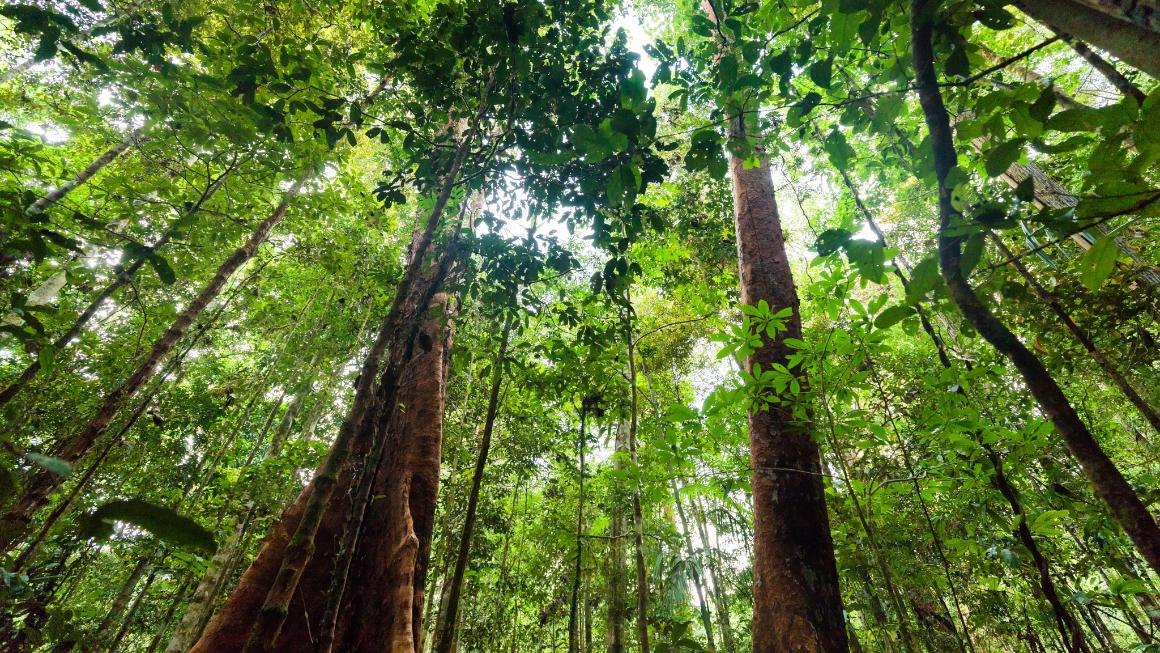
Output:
(388, 566)
(38, 487)
(1109, 484)
(797, 606)
(1145, 13)
(1131, 43)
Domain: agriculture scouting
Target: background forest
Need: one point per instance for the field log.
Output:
(577, 325)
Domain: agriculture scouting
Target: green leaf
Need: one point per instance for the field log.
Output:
(681, 413)
(54, 465)
(46, 357)
(1001, 157)
(162, 522)
(1098, 263)
(893, 315)
(162, 268)
(831, 240)
(821, 72)
(632, 90)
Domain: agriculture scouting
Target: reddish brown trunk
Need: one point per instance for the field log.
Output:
(40, 485)
(797, 605)
(1109, 484)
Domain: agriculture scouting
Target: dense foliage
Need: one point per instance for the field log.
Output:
(246, 245)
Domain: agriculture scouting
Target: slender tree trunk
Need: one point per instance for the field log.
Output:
(1081, 336)
(573, 635)
(1069, 629)
(443, 645)
(122, 276)
(1104, 68)
(174, 603)
(1108, 482)
(127, 622)
(719, 598)
(698, 582)
(642, 613)
(1133, 44)
(201, 603)
(38, 487)
(617, 582)
(57, 194)
(116, 611)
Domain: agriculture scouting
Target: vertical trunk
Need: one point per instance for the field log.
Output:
(170, 612)
(617, 583)
(637, 514)
(573, 636)
(719, 597)
(443, 645)
(127, 622)
(797, 606)
(275, 578)
(38, 487)
(121, 601)
(1108, 482)
(201, 604)
(390, 570)
(1133, 44)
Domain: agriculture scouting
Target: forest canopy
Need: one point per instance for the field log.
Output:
(653, 326)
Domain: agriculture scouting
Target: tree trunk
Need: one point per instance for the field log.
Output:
(1105, 68)
(719, 598)
(36, 490)
(637, 514)
(797, 606)
(1108, 483)
(617, 582)
(573, 635)
(443, 645)
(57, 194)
(1081, 336)
(201, 604)
(1145, 13)
(1131, 43)
(698, 582)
